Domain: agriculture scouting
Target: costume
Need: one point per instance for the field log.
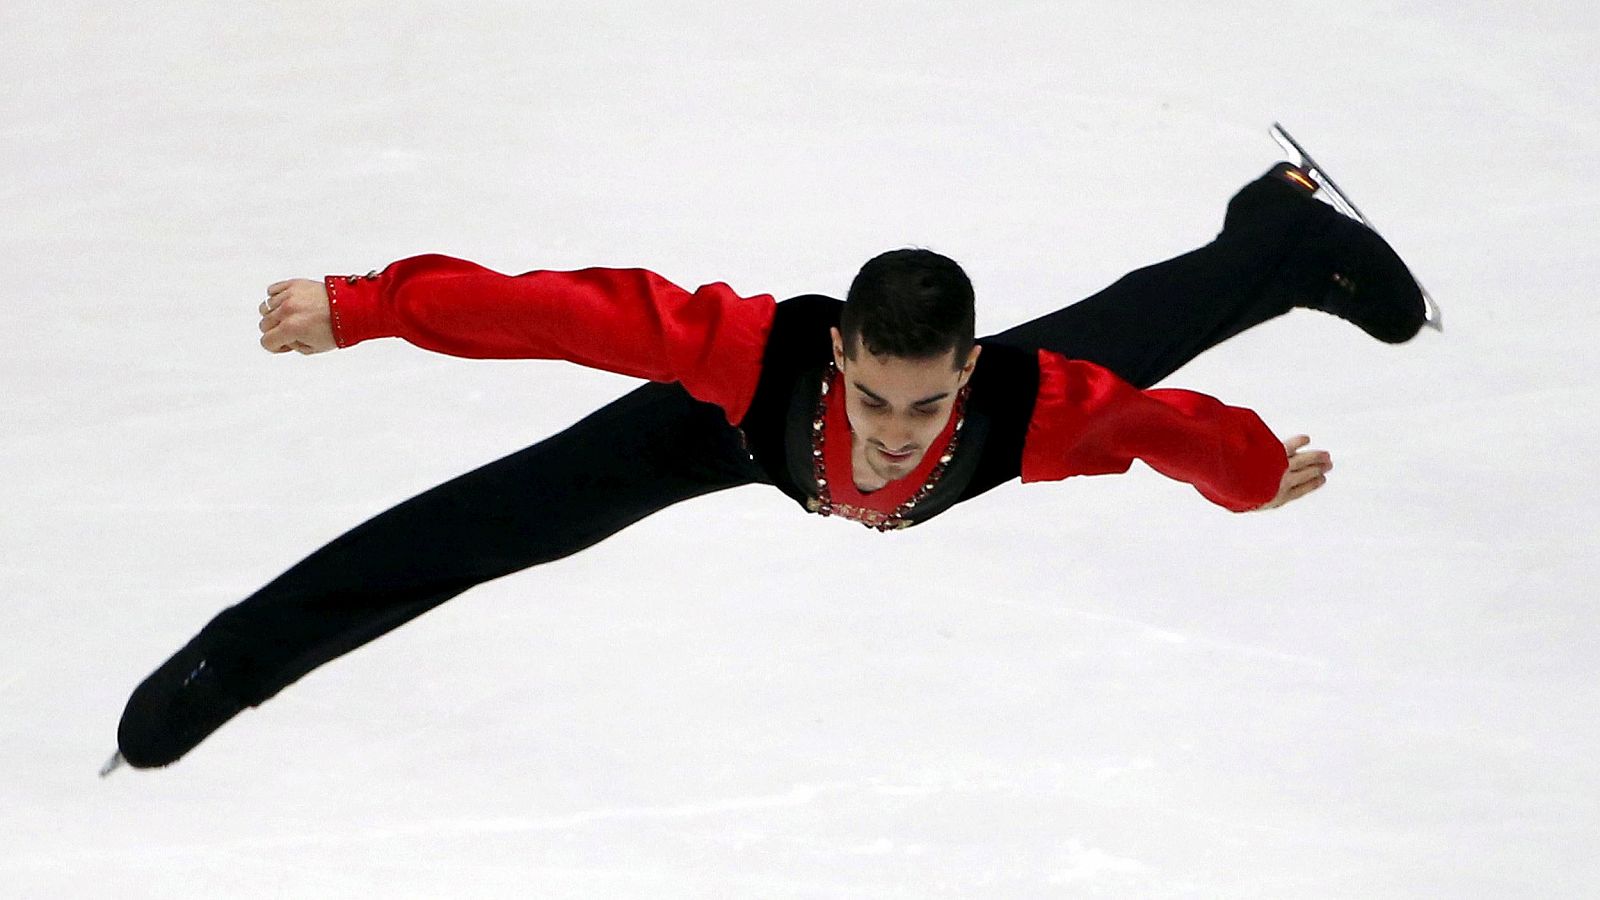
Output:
(739, 395)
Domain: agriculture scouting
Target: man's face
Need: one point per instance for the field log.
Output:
(898, 406)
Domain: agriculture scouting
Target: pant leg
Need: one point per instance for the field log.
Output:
(648, 450)
(1153, 320)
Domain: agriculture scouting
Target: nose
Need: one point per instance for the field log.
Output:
(897, 440)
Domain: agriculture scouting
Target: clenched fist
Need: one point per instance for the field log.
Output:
(295, 316)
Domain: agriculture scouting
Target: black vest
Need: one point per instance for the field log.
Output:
(777, 428)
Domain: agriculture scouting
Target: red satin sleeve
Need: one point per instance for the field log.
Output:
(628, 321)
(1087, 421)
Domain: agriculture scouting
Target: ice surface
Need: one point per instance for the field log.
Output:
(1101, 688)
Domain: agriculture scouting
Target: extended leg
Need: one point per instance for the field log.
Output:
(1278, 249)
(644, 452)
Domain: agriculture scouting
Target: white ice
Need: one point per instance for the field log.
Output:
(1106, 687)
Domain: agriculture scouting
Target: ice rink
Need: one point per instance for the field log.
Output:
(1105, 687)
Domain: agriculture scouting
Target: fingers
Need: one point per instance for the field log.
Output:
(1316, 459)
(1297, 477)
(1293, 488)
(281, 337)
(273, 315)
(1305, 487)
(1319, 459)
(275, 341)
(272, 338)
(278, 293)
(1302, 480)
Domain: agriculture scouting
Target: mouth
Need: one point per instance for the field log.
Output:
(902, 457)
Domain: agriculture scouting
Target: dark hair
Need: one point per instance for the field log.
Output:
(910, 303)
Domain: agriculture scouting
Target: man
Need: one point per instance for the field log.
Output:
(884, 409)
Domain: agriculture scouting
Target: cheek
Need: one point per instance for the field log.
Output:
(855, 416)
(927, 429)
(867, 422)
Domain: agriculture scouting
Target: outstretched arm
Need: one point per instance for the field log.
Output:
(1087, 421)
(629, 321)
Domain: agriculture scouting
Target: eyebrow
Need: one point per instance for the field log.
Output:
(923, 402)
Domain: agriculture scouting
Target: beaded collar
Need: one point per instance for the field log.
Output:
(930, 470)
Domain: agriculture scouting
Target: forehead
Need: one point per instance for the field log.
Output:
(903, 378)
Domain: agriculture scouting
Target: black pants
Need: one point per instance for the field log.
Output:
(657, 446)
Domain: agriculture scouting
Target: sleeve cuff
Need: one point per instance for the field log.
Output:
(355, 307)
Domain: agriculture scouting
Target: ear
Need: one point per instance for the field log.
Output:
(838, 347)
(972, 363)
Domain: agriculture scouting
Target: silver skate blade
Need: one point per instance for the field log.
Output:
(114, 763)
(1339, 198)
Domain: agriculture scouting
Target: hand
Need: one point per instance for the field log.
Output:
(1307, 471)
(295, 316)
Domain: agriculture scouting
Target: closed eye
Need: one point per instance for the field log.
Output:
(921, 412)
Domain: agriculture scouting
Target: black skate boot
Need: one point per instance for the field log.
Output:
(1334, 263)
(178, 706)
(1348, 270)
(1374, 287)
